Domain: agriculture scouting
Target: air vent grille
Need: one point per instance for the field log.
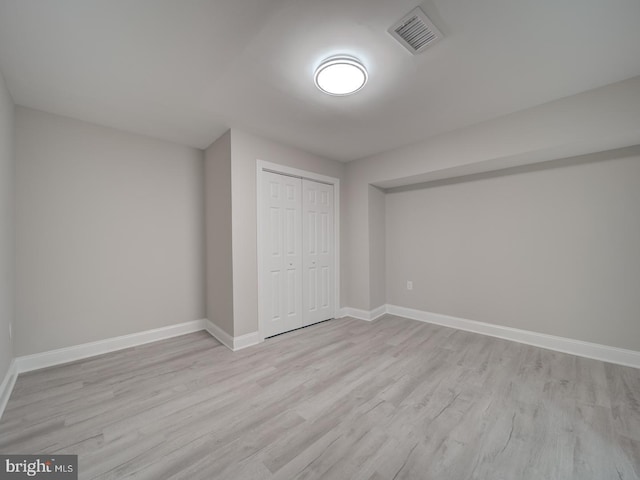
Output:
(415, 31)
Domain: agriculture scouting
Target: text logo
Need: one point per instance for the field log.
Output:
(52, 467)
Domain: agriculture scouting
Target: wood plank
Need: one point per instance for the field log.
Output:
(344, 399)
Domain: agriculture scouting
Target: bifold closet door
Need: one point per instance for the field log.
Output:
(282, 272)
(318, 252)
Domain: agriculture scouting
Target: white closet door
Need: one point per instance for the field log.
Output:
(282, 281)
(318, 247)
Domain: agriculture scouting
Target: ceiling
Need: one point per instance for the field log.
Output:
(187, 70)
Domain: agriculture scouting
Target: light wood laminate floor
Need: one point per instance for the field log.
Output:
(345, 399)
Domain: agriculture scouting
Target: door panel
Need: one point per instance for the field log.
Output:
(282, 302)
(318, 257)
(324, 288)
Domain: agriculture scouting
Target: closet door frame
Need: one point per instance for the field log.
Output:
(263, 166)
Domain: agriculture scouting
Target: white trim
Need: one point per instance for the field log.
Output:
(244, 341)
(37, 361)
(367, 315)
(378, 312)
(216, 332)
(261, 166)
(6, 387)
(620, 356)
(295, 172)
(232, 343)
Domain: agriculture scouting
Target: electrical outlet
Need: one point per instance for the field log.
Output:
(409, 285)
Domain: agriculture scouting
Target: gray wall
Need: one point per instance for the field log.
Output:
(598, 120)
(219, 286)
(245, 150)
(110, 233)
(7, 229)
(552, 248)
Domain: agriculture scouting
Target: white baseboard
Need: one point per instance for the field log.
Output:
(232, 343)
(367, 315)
(595, 351)
(244, 341)
(6, 387)
(222, 336)
(51, 358)
(378, 312)
(28, 363)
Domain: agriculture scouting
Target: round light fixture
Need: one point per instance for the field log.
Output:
(341, 75)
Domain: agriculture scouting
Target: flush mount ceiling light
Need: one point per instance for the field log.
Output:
(340, 75)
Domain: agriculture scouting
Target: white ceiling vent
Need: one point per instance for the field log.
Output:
(415, 31)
